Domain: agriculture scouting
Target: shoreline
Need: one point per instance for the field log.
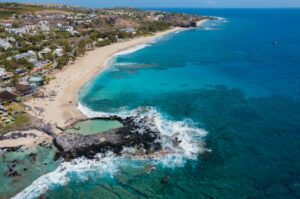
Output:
(60, 106)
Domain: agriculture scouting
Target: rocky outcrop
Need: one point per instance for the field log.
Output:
(16, 140)
(134, 134)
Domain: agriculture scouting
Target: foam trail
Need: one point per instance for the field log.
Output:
(80, 167)
(132, 50)
(125, 64)
(191, 137)
(188, 148)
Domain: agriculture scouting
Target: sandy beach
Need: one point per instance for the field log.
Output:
(60, 104)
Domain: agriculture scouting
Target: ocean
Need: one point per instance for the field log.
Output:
(229, 90)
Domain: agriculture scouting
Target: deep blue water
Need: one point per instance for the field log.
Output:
(238, 78)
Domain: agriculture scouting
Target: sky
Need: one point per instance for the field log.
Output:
(175, 3)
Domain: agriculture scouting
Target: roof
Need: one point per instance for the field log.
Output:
(35, 78)
(20, 71)
(6, 96)
(23, 89)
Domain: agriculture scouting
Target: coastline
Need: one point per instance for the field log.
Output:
(59, 107)
(60, 104)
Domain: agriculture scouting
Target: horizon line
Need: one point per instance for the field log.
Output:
(149, 7)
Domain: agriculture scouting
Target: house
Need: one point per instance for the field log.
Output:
(44, 26)
(17, 31)
(40, 65)
(2, 72)
(2, 108)
(7, 76)
(22, 56)
(129, 30)
(26, 55)
(6, 25)
(23, 89)
(20, 71)
(36, 80)
(11, 39)
(74, 33)
(7, 97)
(63, 27)
(30, 27)
(4, 44)
(44, 51)
(58, 52)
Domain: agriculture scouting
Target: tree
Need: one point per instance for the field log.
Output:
(81, 47)
(66, 46)
(49, 56)
(15, 79)
(62, 61)
(25, 63)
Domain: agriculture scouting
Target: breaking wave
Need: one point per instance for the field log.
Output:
(190, 144)
(132, 50)
(106, 165)
(80, 168)
(190, 136)
(214, 24)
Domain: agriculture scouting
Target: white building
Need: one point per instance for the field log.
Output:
(6, 25)
(28, 55)
(129, 30)
(4, 44)
(44, 52)
(44, 26)
(17, 31)
(2, 72)
(62, 27)
(30, 27)
(58, 52)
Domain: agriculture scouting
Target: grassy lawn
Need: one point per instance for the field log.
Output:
(21, 120)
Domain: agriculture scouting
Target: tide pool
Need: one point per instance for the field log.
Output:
(90, 127)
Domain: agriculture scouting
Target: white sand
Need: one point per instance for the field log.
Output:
(61, 109)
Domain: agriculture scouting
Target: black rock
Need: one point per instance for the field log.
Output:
(164, 179)
(135, 133)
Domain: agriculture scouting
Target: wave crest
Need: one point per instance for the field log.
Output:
(190, 144)
(132, 50)
(105, 165)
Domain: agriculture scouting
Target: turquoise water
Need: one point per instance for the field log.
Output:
(230, 90)
(90, 127)
(28, 164)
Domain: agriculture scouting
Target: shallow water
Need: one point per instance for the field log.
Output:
(28, 164)
(91, 127)
(229, 79)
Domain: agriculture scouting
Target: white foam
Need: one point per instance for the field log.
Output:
(125, 64)
(132, 50)
(103, 165)
(186, 131)
(188, 148)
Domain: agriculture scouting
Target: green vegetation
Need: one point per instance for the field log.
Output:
(154, 27)
(21, 120)
(36, 39)
(8, 9)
